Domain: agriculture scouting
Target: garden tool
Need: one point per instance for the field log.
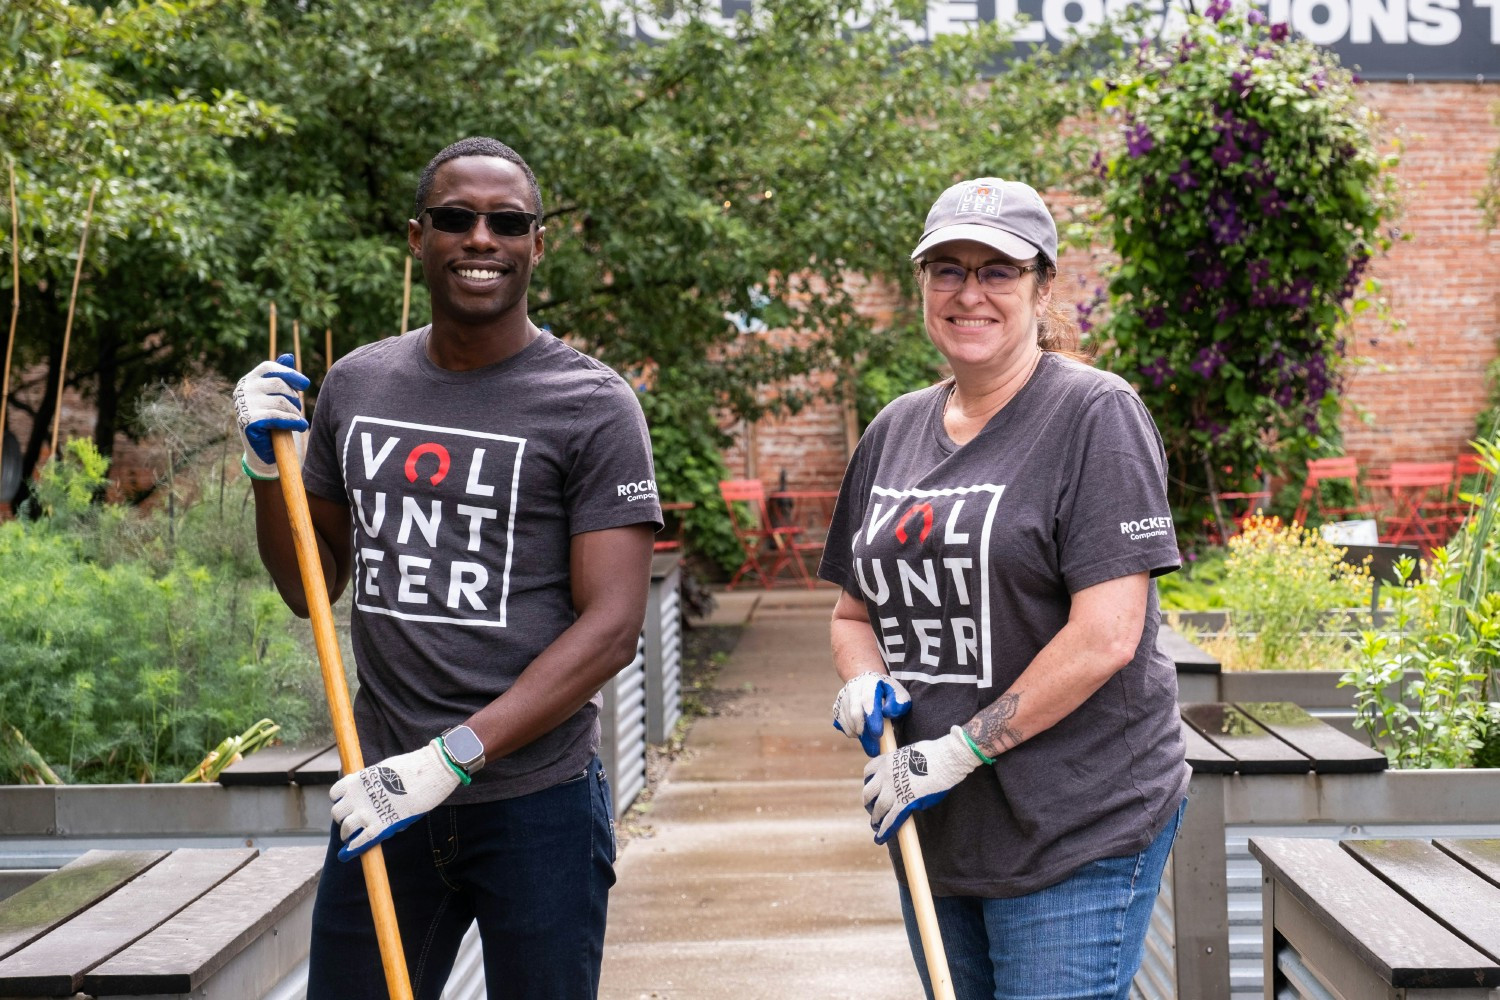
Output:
(921, 894)
(387, 933)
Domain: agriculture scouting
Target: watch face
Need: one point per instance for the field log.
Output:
(463, 744)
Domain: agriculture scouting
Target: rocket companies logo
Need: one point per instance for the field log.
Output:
(434, 523)
(922, 559)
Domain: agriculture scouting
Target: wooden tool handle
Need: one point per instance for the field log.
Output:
(377, 884)
(921, 892)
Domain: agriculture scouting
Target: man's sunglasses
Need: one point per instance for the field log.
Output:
(452, 219)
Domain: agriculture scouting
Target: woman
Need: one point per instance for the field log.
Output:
(995, 539)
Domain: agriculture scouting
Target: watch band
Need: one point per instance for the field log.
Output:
(464, 748)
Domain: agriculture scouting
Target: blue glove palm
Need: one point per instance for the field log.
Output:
(865, 703)
(265, 400)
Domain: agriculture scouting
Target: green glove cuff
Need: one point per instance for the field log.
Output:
(974, 746)
(448, 759)
(245, 464)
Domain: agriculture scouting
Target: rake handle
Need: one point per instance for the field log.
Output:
(921, 893)
(377, 883)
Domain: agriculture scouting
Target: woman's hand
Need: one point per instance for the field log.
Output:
(914, 777)
(865, 703)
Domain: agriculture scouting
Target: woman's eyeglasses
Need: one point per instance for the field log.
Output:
(943, 276)
(452, 219)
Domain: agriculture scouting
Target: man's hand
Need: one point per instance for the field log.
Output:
(266, 400)
(865, 703)
(386, 798)
(914, 777)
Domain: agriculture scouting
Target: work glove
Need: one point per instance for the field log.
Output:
(914, 777)
(386, 798)
(266, 400)
(855, 709)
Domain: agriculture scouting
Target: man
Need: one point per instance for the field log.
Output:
(490, 491)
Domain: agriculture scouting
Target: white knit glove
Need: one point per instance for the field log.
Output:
(388, 797)
(914, 777)
(854, 710)
(266, 400)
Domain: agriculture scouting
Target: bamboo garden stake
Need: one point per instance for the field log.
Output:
(387, 933)
(405, 296)
(327, 349)
(273, 329)
(296, 346)
(921, 893)
(15, 299)
(62, 366)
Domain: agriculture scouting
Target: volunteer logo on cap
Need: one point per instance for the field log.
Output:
(1006, 215)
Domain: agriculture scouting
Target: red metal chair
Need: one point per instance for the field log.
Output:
(1468, 477)
(1419, 494)
(1333, 470)
(763, 542)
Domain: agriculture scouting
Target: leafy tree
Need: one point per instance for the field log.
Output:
(684, 181)
(73, 113)
(1244, 203)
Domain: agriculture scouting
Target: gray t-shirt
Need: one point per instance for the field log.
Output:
(464, 490)
(966, 558)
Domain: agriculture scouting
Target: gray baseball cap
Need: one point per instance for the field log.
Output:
(1006, 215)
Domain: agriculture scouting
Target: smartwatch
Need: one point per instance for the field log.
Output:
(464, 748)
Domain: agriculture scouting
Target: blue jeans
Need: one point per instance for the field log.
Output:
(535, 871)
(1080, 939)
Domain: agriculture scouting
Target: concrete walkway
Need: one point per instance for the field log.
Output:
(760, 880)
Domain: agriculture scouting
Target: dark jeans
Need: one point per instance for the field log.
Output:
(535, 871)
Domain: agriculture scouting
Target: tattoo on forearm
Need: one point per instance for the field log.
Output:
(992, 728)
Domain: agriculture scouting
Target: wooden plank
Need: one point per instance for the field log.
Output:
(1331, 751)
(61, 895)
(1461, 900)
(1402, 944)
(181, 954)
(271, 766)
(1203, 756)
(1481, 855)
(324, 769)
(1187, 657)
(54, 964)
(1244, 739)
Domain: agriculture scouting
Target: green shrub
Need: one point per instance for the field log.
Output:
(127, 657)
(1284, 586)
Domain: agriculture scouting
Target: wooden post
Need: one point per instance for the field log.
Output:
(15, 301)
(62, 368)
(296, 346)
(405, 296)
(327, 349)
(273, 329)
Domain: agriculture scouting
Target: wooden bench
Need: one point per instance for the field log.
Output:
(207, 922)
(1410, 919)
(1226, 745)
(283, 765)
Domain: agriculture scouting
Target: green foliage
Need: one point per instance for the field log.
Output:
(1244, 202)
(1427, 687)
(127, 659)
(1285, 586)
(685, 181)
(1487, 424)
(1196, 586)
(1489, 198)
(689, 465)
(898, 361)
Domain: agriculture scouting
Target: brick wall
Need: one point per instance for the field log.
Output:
(1420, 387)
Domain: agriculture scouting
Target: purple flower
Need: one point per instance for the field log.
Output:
(1098, 166)
(1154, 317)
(1299, 293)
(1226, 152)
(1226, 227)
(1215, 430)
(1258, 270)
(1210, 360)
(1217, 9)
(1280, 31)
(1317, 81)
(1255, 16)
(1191, 298)
(1138, 140)
(1226, 312)
(1158, 371)
(1271, 204)
(1240, 80)
(1212, 276)
(1184, 178)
